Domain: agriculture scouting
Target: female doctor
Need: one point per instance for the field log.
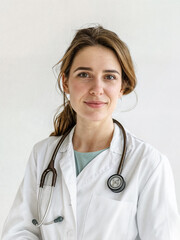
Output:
(97, 194)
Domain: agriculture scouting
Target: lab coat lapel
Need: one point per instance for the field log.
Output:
(68, 170)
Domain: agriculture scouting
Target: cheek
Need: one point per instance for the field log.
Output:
(76, 92)
(75, 88)
(115, 92)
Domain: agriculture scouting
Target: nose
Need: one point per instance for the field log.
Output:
(97, 87)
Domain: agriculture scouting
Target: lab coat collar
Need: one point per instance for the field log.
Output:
(117, 142)
(67, 143)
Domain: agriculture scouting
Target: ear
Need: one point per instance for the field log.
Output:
(65, 83)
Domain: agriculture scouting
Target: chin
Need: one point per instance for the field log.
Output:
(96, 117)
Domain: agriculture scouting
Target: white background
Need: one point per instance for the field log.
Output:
(34, 35)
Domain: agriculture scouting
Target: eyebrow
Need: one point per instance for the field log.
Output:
(90, 69)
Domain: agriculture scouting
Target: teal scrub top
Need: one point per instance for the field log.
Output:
(82, 159)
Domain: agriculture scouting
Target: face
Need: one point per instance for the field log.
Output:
(94, 83)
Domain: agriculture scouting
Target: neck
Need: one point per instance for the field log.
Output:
(91, 136)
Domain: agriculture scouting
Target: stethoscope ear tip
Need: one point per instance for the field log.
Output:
(35, 222)
(59, 219)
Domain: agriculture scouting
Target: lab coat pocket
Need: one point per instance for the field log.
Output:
(107, 219)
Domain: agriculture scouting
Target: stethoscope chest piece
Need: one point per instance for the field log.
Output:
(116, 183)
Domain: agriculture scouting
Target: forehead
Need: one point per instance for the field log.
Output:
(96, 57)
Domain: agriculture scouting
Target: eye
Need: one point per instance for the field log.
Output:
(83, 75)
(110, 77)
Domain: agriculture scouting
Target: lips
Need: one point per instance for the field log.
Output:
(95, 104)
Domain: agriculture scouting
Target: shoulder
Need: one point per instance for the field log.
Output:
(145, 158)
(140, 155)
(48, 143)
(42, 152)
(144, 150)
(146, 165)
(140, 146)
(138, 149)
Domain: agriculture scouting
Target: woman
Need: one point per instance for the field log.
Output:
(96, 71)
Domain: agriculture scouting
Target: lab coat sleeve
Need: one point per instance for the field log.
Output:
(157, 215)
(18, 225)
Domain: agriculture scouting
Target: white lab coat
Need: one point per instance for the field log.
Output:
(145, 210)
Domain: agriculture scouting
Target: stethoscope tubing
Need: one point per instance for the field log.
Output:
(124, 147)
(51, 167)
(48, 206)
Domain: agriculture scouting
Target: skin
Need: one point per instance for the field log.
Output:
(94, 85)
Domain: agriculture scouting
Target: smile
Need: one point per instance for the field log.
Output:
(95, 104)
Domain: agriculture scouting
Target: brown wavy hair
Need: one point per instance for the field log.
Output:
(92, 36)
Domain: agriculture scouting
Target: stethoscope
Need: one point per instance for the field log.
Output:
(116, 182)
